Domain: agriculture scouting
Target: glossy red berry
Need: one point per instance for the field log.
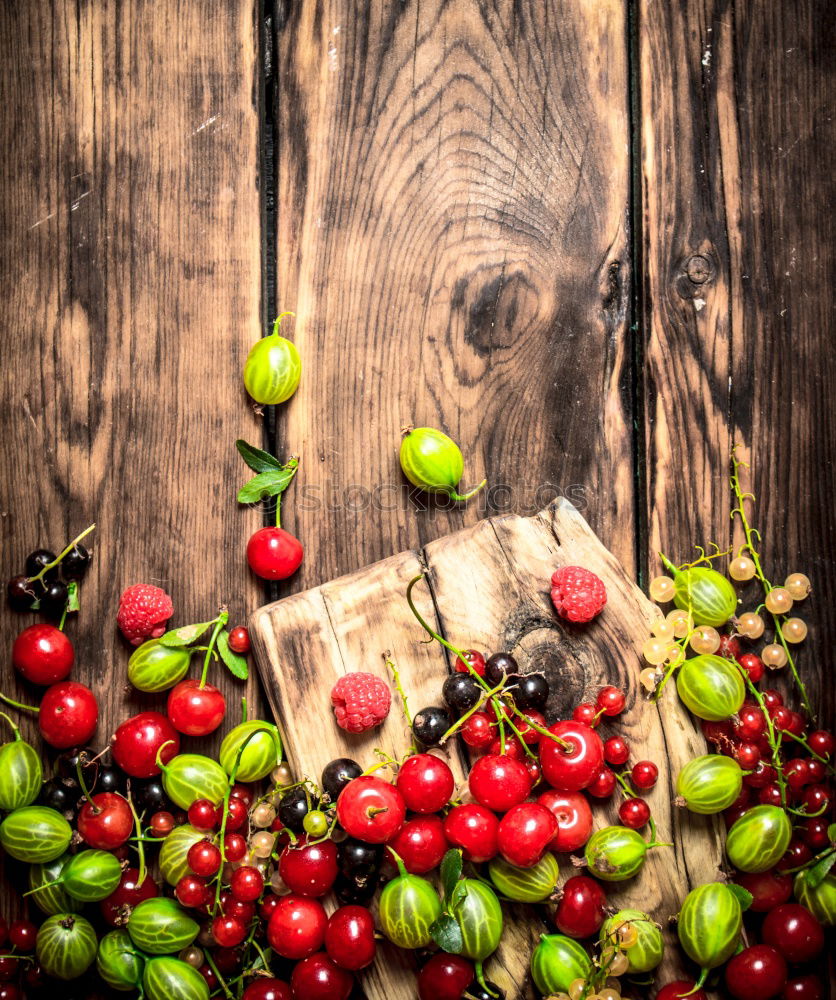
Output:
(803, 988)
(420, 844)
(309, 869)
(203, 815)
(756, 973)
(582, 907)
(116, 908)
(644, 774)
(318, 978)
(228, 932)
(573, 763)
(235, 847)
(793, 931)
(730, 647)
(772, 698)
(821, 742)
(43, 654)
(770, 795)
(761, 775)
(475, 829)
(138, 740)
(236, 814)
(193, 892)
(616, 751)
(444, 977)
(478, 731)
(242, 792)
(749, 723)
(815, 833)
(425, 782)
(274, 554)
(753, 665)
(349, 938)
(297, 927)
(525, 832)
(161, 824)
(817, 771)
(816, 798)
(370, 809)
(267, 988)
(237, 908)
(246, 883)
(574, 819)
(22, 934)
(472, 659)
(680, 990)
(529, 725)
(195, 710)
(499, 782)
(267, 905)
(634, 813)
(796, 856)
(602, 785)
(239, 640)
(204, 858)
(68, 715)
(587, 713)
(105, 821)
(747, 755)
(796, 775)
(610, 700)
(768, 889)
(512, 748)
(8, 968)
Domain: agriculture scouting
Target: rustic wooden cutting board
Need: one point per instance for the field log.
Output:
(488, 588)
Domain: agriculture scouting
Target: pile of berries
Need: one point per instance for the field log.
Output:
(49, 581)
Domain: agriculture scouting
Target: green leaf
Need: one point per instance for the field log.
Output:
(72, 596)
(238, 666)
(818, 872)
(451, 871)
(744, 897)
(457, 896)
(447, 934)
(831, 832)
(265, 484)
(183, 636)
(258, 460)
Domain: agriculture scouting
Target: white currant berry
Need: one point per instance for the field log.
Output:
(794, 630)
(742, 569)
(798, 585)
(750, 624)
(662, 589)
(774, 656)
(655, 651)
(263, 815)
(705, 639)
(681, 621)
(778, 601)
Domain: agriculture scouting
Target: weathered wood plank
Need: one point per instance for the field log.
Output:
(130, 220)
(736, 126)
(452, 202)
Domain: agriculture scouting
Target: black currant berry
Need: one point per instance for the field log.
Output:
(355, 891)
(461, 692)
(478, 992)
(67, 763)
(294, 807)
(75, 562)
(109, 779)
(499, 666)
(358, 859)
(531, 691)
(429, 725)
(337, 774)
(54, 598)
(149, 796)
(21, 593)
(60, 797)
(36, 561)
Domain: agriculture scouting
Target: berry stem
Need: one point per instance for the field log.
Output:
(17, 704)
(518, 734)
(58, 558)
(221, 981)
(140, 846)
(459, 497)
(627, 791)
(426, 627)
(803, 741)
(774, 744)
(220, 621)
(15, 728)
(396, 674)
(243, 710)
(471, 711)
(84, 789)
(278, 321)
(292, 465)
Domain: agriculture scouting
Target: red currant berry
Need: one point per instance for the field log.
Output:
(209, 975)
(445, 977)
(68, 715)
(770, 795)
(475, 829)
(772, 699)
(803, 988)
(195, 710)
(105, 821)
(239, 640)
(472, 659)
(797, 724)
(228, 931)
(587, 713)
(274, 554)
(22, 934)
(297, 927)
(816, 799)
(247, 883)
(530, 733)
(8, 991)
(499, 782)
(821, 742)
(532, 765)
(768, 889)
(420, 844)
(235, 847)
(634, 813)
(242, 792)
(582, 908)
(237, 908)
(426, 783)
(616, 751)
(717, 733)
(309, 869)
(762, 775)
(747, 755)
(682, 989)
(136, 743)
(349, 937)
(267, 988)
(318, 978)
(574, 819)
(750, 723)
(161, 824)
(193, 892)
(204, 859)
(755, 973)
(525, 832)
(370, 809)
(572, 763)
(796, 774)
(43, 654)
(729, 647)
(8, 968)
(203, 815)
(610, 700)
(817, 771)
(644, 774)
(815, 833)
(236, 814)
(513, 748)
(267, 905)
(793, 931)
(602, 785)
(117, 907)
(753, 665)
(477, 731)
(796, 856)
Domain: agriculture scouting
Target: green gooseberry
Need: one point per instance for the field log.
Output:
(262, 750)
(433, 462)
(273, 368)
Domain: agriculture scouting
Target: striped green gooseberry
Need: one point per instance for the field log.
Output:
(273, 367)
(433, 462)
(709, 596)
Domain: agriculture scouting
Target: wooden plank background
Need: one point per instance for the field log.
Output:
(592, 240)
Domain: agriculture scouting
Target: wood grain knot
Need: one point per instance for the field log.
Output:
(698, 268)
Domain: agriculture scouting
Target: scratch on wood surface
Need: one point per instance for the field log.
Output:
(206, 124)
(40, 222)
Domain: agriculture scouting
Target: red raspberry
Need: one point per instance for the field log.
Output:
(143, 612)
(577, 594)
(361, 701)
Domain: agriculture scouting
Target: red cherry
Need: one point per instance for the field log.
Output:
(425, 782)
(644, 774)
(445, 977)
(235, 847)
(193, 892)
(574, 819)
(587, 713)
(475, 829)
(297, 927)
(204, 858)
(602, 785)
(768, 889)
(582, 908)
(247, 883)
(239, 640)
(821, 742)
(634, 813)
(136, 742)
(116, 908)
(274, 554)
(570, 770)
(370, 809)
(228, 931)
(421, 844)
(756, 973)
(803, 988)
(309, 869)
(753, 665)
(616, 751)
(203, 815)
(267, 989)
(477, 731)
(349, 938)
(68, 715)
(22, 934)
(105, 821)
(680, 989)
(43, 654)
(195, 710)
(474, 659)
(318, 978)
(610, 700)
(499, 782)
(794, 932)
(525, 832)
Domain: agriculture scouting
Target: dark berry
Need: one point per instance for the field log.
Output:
(337, 774)
(293, 809)
(75, 562)
(150, 796)
(59, 796)
(429, 725)
(109, 779)
(67, 764)
(355, 891)
(490, 991)
(461, 692)
(21, 593)
(499, 666)
(36, 561)
(359, 859)
(531, 691)
(54, 598)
